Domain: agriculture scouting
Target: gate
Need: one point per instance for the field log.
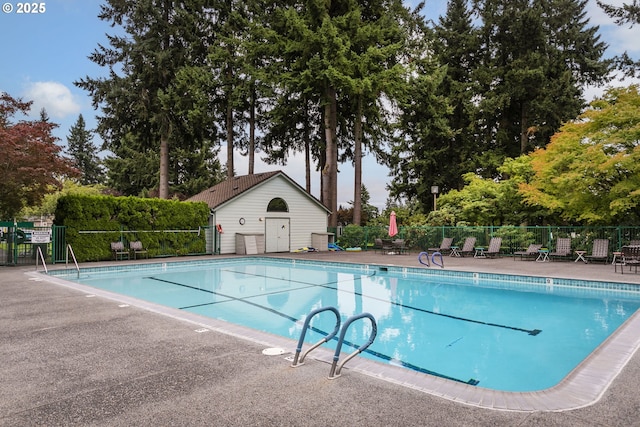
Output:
(58, 244)
(19, 243)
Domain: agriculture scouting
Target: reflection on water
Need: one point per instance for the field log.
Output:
(518, 339)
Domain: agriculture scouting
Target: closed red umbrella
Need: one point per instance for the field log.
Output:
(393, 227)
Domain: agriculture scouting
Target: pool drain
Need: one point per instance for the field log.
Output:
(274, 351)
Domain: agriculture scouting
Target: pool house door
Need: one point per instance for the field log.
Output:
(276, 238)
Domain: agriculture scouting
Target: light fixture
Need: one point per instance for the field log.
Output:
(434, 191)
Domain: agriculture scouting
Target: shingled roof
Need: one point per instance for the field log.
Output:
(223, 192)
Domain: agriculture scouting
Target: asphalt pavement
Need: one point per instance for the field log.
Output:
(73, 357)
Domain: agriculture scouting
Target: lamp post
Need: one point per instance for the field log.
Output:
(434, 191)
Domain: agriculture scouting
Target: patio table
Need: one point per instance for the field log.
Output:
(580, 256)
(543, 255)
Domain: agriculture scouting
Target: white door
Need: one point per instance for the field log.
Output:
(276, 235)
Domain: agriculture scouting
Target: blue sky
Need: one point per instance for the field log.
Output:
(43, 54)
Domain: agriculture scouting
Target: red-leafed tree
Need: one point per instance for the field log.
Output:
(30, 161)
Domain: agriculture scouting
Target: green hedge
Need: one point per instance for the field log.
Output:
(93, 222)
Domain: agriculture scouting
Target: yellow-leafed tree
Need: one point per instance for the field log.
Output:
(590, 171)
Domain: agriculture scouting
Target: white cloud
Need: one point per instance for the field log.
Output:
(54, 97)
(620, 38)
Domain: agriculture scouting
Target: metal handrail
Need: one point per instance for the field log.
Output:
(335, 368)
(335, 311)
(41, 255)
(73, 256)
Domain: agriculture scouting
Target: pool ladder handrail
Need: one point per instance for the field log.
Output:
(335, 368)
(73, 256)
(40, 255)
(300, 362)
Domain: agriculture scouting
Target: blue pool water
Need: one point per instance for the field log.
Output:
(506, 333)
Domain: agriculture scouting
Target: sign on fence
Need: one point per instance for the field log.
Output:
(40, 236)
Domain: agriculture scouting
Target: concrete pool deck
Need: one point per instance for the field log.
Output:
(72, 357)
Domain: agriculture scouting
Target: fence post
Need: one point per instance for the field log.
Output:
(619, 238)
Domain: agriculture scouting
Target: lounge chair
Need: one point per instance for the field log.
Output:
(563, 248)
(493, 249)
(468, 246)
(445, 246)
(137, 248)
(530, 252)
(600, 251)
(118, 251)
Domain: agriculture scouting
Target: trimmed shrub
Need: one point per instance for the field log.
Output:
(93, 222)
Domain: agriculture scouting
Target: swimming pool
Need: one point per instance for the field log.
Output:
(509, 333)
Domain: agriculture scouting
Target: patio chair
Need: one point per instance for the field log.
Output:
(445, 246)
(494, 247)
(468, 246)
(600, 251)
(383, 245)
(530, 252)
(630, 257)
(399, 246)
(377, 245)
(118, 251)
(137, 248)
(563, 248)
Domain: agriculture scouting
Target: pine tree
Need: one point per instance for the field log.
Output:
(457, 46)
(316, 38)
(422, 134)
(83, 152)
(537, 57)
(377, 74)
(156, 97)
(338, 59)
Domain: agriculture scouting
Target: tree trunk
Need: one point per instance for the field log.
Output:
(307, 150)
(357, 166)
(252, 130)
(330, 170)
(163, 187)
(229, 122)
(524, 131)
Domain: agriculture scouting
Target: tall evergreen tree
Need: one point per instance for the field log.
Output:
(144, 101)
(537, 57)
(423, 132)
(377, 78)
(226, 59)
(338, 61)
(294, 120)
(457, 47)
(81, 149)
(316, 36)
